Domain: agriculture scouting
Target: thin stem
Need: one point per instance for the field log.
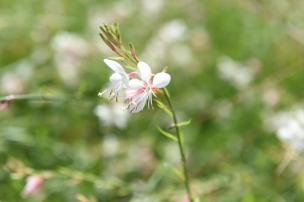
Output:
(28, 97)
(180, 146)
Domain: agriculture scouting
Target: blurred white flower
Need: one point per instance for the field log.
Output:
(11, 84)
(116, 12)
(289, 127)
(14, 81)
(170, 33)
(238, 74)
(69, 50)
(271, 97)
(151, 7)
(142, 90)
(181, 55)
(110, 145)
(33, 183)
(112, 115)
(141, 157)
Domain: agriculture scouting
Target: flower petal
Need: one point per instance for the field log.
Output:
(144, 71)
(115, 66)
(136, 83)
(137, 103)
(115, 78)
(161, 80)
(133, 74)
(125, 79)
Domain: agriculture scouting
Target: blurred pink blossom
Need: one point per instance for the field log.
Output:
(6, 102)
(33, 183)
(185, 199)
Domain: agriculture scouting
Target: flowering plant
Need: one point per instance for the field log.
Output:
(140, 87)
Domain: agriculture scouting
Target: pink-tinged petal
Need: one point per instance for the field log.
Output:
(33, 183)
(136, 83)
(144, 71)
(161, 80)
(114, 78)
(138, 102)
(132, 93)
(115, 66)
(133, 74)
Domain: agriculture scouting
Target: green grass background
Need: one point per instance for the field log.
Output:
(231, 158)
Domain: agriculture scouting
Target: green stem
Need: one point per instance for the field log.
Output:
(29, 97)
(180, 146)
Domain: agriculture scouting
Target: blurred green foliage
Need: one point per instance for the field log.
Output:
(232, 157)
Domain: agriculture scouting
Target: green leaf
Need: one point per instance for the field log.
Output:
(168, 135)
(182, 124)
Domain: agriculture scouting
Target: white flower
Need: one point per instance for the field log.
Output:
(110, 145)
(15, 80)
(169, 34)
(152, 7)
(114, 114)
(142, 90)
(69, 51)
(289, 127)
(135, 91)
(118, 80)
(238, 74)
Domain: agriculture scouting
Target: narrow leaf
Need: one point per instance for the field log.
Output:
(181, 124)
(168, 135)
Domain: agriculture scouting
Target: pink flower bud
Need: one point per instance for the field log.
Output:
(185, 199)
(4, 104)
(33, 183)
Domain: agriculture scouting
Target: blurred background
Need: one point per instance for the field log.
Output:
(237, 69)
